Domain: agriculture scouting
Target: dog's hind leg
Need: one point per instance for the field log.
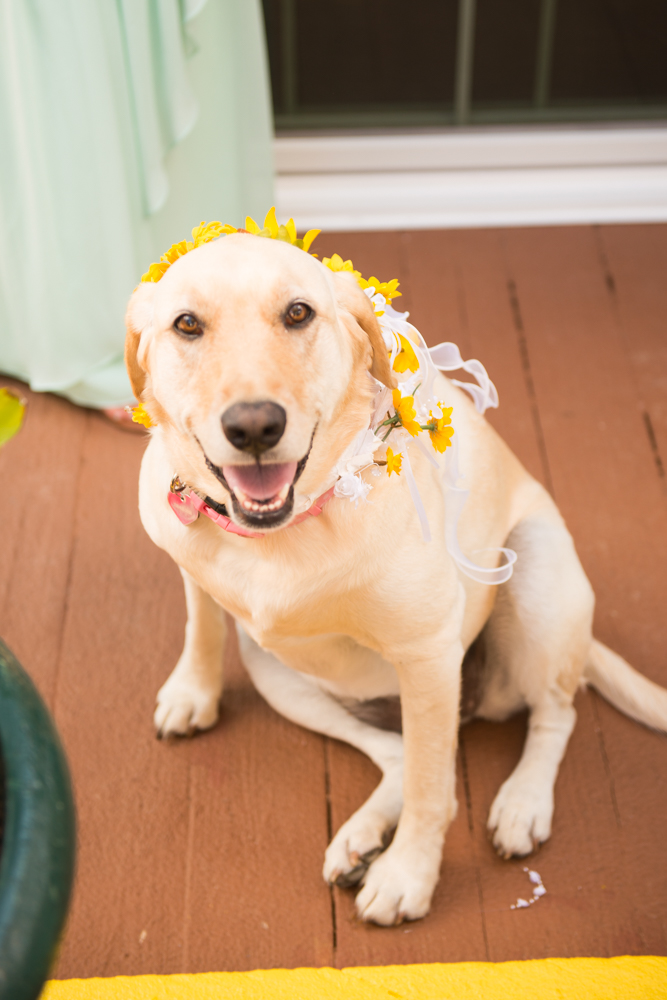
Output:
(538, 640)
(300, 699)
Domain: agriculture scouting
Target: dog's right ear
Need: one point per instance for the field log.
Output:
(138, 319)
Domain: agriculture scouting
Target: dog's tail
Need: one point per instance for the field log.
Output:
(628, 691)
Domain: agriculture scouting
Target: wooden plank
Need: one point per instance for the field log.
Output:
(256, 897)
(439, 308)
(39, 471)
(461, 292)
(634, 260)
(606, 485)
(122, 633)
(594, 428)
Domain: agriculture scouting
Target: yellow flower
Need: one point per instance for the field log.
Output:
(393, 462)
(203, 233)
(406, 359)
(140, 416)
(336, 263)
(155, 272)
(404, 406)
(207, 231)
(12, 409)
(440, 434)
(386, 288)
(273, 231)
(175, 251)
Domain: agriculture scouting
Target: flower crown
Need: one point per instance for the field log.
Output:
(403, 352)
(205, 232)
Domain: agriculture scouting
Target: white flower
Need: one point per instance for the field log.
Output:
(352, 487)
(378, 300)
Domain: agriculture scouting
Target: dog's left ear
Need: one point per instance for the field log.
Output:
(351, 298)
(137, 319)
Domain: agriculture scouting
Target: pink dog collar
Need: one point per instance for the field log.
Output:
(187, 506)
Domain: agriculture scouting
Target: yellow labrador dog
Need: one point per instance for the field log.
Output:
(252, 360)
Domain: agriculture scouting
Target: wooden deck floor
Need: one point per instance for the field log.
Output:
(206, 854)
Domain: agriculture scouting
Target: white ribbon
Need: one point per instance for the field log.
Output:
(360, 454)
(455, 500)
(447, 358)
(416, 498)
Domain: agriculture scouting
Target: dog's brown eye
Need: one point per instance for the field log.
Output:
(297, 313)
(188, 324)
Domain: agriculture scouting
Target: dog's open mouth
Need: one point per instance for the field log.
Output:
(262, 493)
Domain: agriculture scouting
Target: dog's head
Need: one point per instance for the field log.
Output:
(253, 358)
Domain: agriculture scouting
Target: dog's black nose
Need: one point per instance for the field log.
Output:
(254, 427)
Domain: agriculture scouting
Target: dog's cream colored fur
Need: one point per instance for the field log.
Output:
(353, 604)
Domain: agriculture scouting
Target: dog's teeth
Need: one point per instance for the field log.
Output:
(263, 507)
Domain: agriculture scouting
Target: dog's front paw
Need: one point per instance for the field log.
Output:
(520, 817)
(355, 846)
(397, 887)
(183, 706)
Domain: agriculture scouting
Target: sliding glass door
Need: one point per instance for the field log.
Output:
(397, 63)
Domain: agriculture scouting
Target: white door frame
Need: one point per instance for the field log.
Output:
(473, 177)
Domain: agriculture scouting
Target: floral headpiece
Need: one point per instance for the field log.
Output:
(207, 231)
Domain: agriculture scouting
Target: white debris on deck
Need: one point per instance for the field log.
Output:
(538, 891)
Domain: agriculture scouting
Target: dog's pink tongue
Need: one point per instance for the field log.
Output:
(260, 482)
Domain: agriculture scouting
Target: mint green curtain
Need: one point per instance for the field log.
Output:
(123, 124)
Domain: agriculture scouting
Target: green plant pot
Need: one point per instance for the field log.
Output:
(38, 842)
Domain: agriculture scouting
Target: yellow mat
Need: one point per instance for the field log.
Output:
(628, 978)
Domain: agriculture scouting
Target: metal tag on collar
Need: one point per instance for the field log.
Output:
(180, 502)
